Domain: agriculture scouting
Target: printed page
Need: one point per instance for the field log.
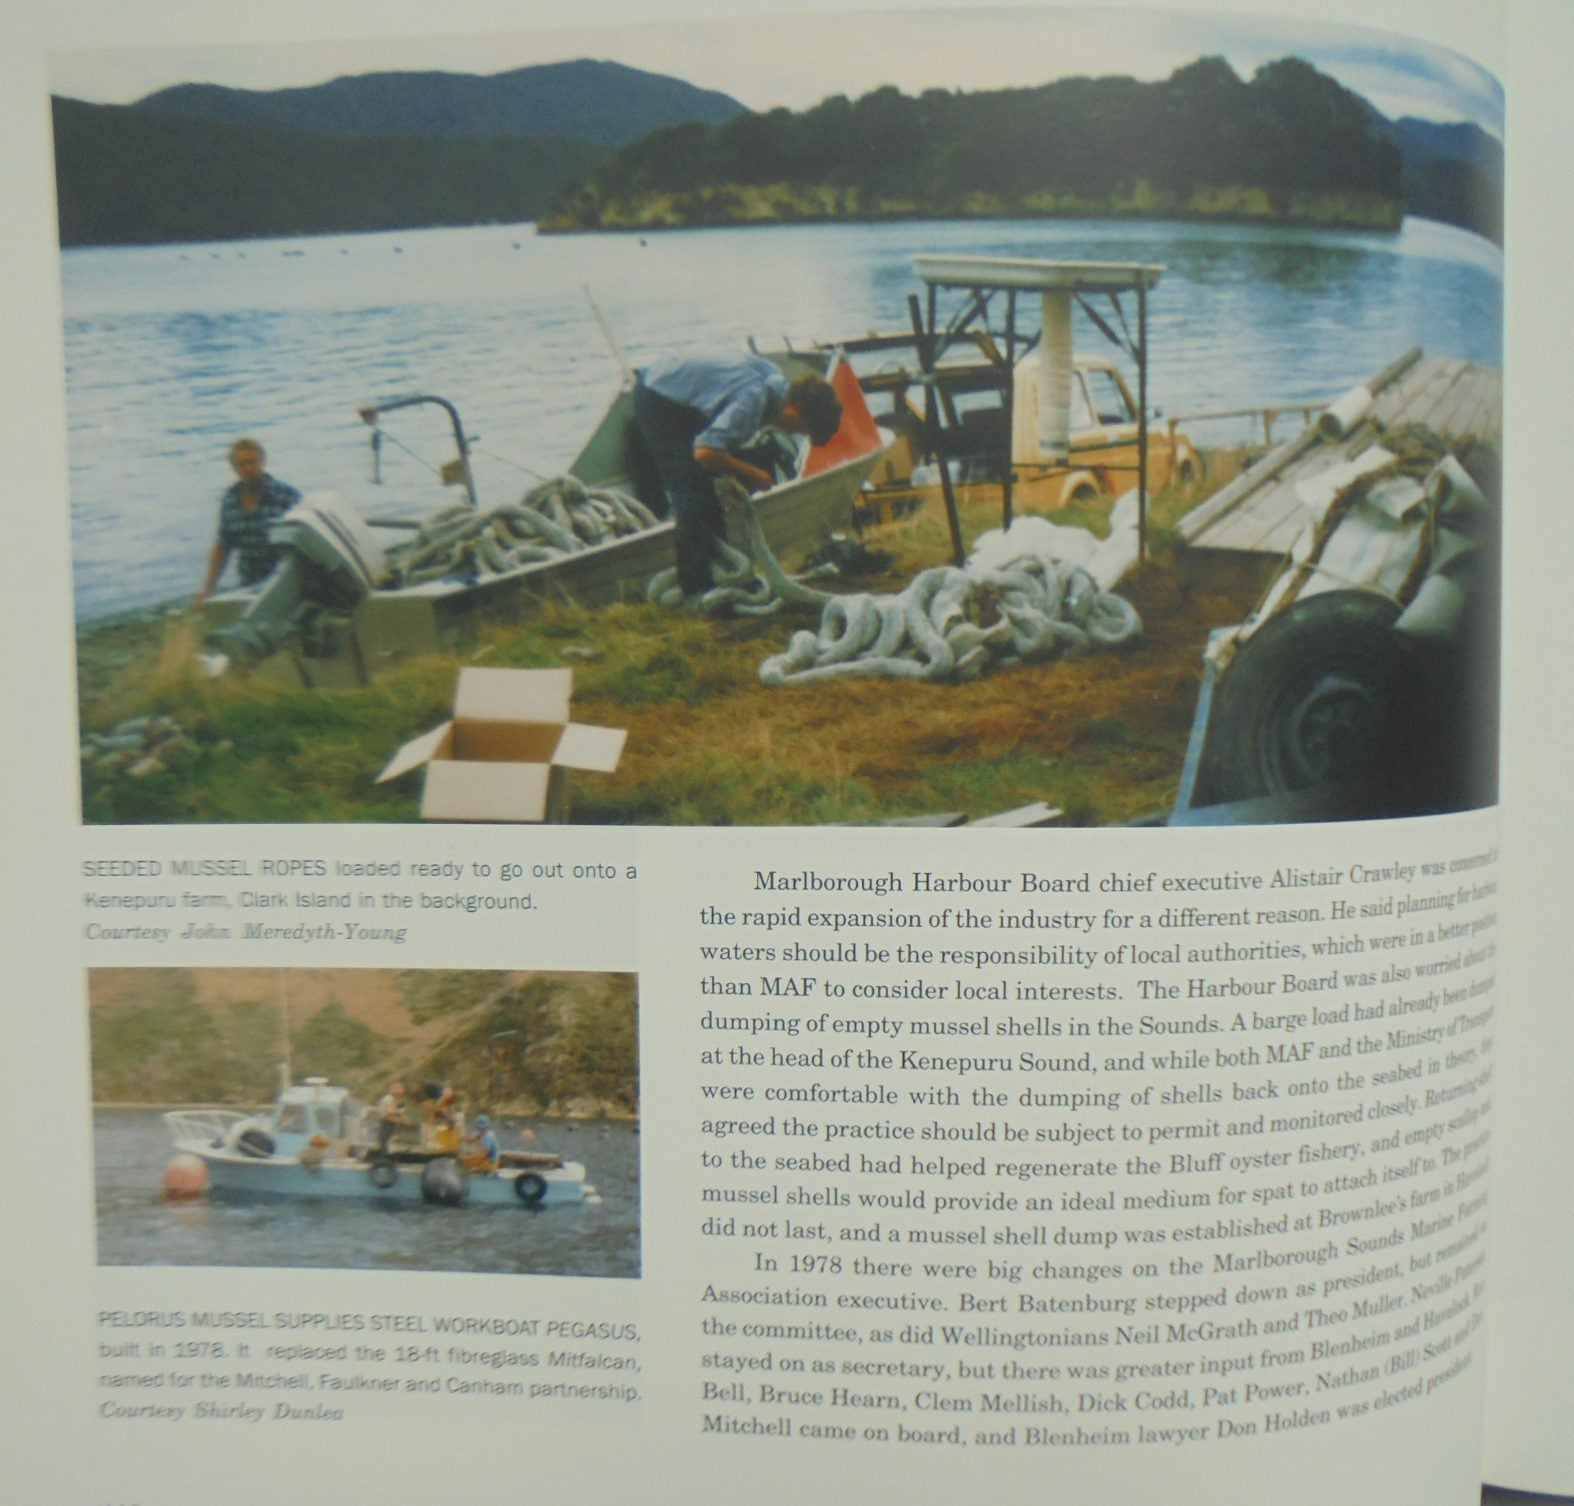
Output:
(473, 992)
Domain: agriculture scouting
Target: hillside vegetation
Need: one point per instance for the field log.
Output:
(375, 151)
(127, 176)
(606, 103)
(520, 1042)
(1291, 144)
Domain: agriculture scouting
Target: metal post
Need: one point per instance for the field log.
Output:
(1011, 405)
(926, 361)
(1142, 417)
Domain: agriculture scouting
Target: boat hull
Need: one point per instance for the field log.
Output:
(388, 627)
(230, 1174)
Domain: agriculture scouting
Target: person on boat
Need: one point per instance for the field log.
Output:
(695, 414)
(391, 1117)
(485, 1153)
(439, 1118)
(245, 512)
(448, 1121)
(314, 1152)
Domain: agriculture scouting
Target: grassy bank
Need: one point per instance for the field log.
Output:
(1101, 736)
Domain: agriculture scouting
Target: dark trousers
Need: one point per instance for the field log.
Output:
(698, 522)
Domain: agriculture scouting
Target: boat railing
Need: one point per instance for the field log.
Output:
(1249, 419)
(210, 1125)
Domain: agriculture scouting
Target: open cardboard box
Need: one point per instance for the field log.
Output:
(506, 753)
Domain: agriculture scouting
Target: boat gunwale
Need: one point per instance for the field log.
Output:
(767, 503)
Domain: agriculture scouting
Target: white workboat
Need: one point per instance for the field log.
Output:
(314, 1143)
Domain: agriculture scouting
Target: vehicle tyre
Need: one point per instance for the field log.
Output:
(383, 1174)
(1325, 691)
(255, 1142)
(530, 1188)
(1083, 494)
(445, 1182)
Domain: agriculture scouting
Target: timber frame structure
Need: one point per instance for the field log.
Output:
(1060, 286)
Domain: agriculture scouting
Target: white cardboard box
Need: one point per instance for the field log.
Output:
(506, 753)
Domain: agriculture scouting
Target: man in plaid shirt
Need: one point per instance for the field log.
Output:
(245, 513)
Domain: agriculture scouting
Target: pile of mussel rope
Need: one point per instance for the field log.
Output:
(557, 518)
(955, 624)
(948, 624)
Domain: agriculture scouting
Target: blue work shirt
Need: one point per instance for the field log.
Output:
(245, 534)
(735, 395)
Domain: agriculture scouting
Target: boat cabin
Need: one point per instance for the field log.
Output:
(314, 1107)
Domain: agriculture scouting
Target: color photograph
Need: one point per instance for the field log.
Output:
(995, 418)
(366, 1118)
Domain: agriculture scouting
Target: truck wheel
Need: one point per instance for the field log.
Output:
(1325, 691)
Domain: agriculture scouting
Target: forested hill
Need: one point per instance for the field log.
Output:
(379, 151)
(1452, 173)
(556, 1043)
(126, 176)
(584, 100)
(1290, 145)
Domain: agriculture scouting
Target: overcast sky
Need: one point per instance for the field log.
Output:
(798, 60)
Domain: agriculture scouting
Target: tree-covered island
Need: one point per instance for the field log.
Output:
(1289, 146)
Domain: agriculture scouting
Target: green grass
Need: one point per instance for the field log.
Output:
(1102, 737)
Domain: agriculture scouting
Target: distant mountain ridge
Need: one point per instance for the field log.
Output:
(585, 100)
(1452, 171)
(126, 176)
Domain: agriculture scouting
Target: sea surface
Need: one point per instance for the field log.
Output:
(137, 1226)
(174, 351)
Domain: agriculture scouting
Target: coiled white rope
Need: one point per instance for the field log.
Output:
(751, 584)
(1015, 601)
(950, 624)
(560, 517)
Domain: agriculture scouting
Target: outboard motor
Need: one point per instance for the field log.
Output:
(331, 559)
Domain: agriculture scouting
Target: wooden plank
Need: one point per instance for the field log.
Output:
(1440, 403)
(1463, 402)
(1485, 420)
(1036, 814)
(1232, 497)
(1268, 520)
(1388, 405)
(1415, 393)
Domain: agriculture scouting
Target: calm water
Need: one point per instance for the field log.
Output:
(173, 351)
(136, 1226)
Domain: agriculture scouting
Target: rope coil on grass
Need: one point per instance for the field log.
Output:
(948, 624)
(940, 627)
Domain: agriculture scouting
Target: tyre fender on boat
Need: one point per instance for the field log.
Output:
(255, 1142)
(383, 1174)
(530, 1187)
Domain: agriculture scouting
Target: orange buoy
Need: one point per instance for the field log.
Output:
(185, 1176)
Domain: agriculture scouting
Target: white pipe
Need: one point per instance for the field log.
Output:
(1341, 416)
(1054, 381)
